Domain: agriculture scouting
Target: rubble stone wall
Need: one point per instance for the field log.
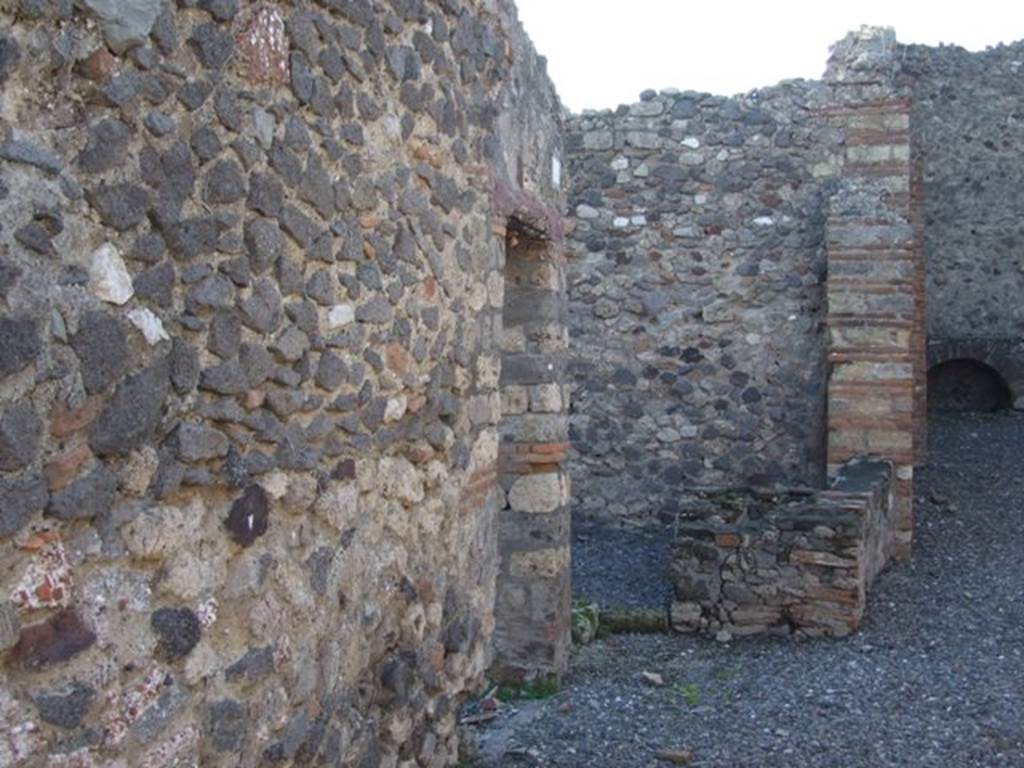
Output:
(251, 291)
(747, 562)
(970, 130)
(700, 291)
(696, 294)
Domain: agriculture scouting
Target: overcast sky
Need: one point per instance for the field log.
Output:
(602, 53)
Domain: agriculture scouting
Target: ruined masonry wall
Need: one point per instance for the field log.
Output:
(534, 603)
(250, 299)
(696, 294)
(747, 563)
(969, 128)
(968, 133)
(806, 566)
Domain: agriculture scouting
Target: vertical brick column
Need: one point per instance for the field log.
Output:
(532, 612)
(875, 287)
(872, 319)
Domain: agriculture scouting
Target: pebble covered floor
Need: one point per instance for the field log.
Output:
(621, 567)
(935, 677)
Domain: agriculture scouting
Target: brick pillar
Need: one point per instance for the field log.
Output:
(532, 612)
(875, 285)
(872, 320)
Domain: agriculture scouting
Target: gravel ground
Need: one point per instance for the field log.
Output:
(622, 567)
(934, 678)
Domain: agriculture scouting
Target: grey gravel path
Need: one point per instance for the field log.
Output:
(934, 678)
(627, 568)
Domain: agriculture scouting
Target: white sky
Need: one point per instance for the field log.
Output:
(602, 53)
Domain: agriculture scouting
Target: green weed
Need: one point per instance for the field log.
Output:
(689, 691)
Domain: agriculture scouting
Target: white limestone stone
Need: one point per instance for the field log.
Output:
(538, 493)
(340, 316)
(150, 325)
(109, 278)
(395, 408)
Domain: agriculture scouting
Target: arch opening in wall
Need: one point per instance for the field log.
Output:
(965, 384)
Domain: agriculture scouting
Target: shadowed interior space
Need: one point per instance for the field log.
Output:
(967, 385)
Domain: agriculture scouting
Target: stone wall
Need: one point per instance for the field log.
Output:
(970, 129)
(873, 291)
(250, 300)
(876, 283)
(533, 608)
(747, 562)
(697, 297)
(696, 294)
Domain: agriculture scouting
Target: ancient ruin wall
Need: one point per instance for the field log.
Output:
(250, 297)
(696, 294)
(746, 563)
(968, 132)
(969, 126)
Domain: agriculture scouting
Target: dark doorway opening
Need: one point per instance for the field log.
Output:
(967, 385)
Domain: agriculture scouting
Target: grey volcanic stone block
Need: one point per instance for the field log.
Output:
(225, 379)
(156, 284)
(227, 724)
(224, 183)
(125, 23)
(262, 310)
(21, 344)
(65, 707)
(106, 148)
(87, 497)
(178, 630)
(21, 151)
(102, 347)
(198, 443)
(121, 206)
(213, 45)
(20, 430)
(133, 413)
(184, 366)
(264, 242)
(20, 498)
(256, 664)
(10, 55)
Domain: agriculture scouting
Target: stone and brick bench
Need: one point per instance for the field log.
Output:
(748, 561)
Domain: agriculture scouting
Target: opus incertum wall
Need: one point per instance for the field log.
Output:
(696, 295)
(968, 127)
(252, 261)
(747, 309)
(698, 298)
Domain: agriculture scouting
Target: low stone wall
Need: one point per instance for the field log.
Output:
(747, 561)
